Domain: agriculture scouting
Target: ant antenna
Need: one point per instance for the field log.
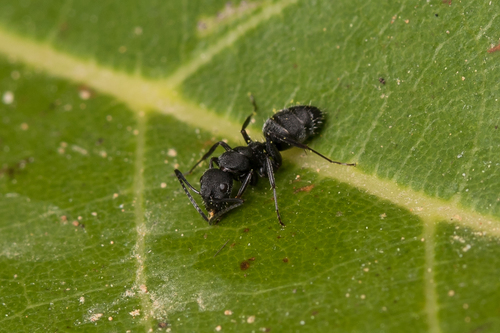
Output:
(252, 100)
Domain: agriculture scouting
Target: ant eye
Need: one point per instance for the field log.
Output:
(223, 187)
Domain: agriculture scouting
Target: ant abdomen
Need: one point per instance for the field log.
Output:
(297, 122)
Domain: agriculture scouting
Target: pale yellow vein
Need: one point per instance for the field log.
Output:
(139, 249)
(206, 56)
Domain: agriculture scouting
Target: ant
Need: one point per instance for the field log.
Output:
(286, 129)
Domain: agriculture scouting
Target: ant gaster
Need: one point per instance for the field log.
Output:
(287, 128)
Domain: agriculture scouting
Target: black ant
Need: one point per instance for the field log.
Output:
(288, 128)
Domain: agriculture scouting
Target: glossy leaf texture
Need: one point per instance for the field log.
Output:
(100, 102)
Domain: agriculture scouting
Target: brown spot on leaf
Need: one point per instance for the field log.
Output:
(208, 143)
(15, 168)
(494, 49)
(8, 171)
(304, 189)
(285, 260)
(244, 265)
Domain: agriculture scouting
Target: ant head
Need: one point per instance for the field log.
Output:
(216, 185)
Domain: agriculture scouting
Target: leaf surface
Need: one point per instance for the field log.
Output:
(100, 102)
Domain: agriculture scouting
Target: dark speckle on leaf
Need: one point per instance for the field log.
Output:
(285, 260)
(244, 265)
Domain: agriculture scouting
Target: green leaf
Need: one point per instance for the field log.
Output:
(101, 101)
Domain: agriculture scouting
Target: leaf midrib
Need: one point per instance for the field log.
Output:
(143, 95)
(140, 222)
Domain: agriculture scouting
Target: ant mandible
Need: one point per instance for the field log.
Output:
(286, 129)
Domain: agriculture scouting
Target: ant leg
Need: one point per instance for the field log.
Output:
(245, 184)
(247, 121)
(213, 160)
(183, 181)
(216, 217)
(303, 146)
(246, 137)
(270, 174)
(274, 153)
(210, 152)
